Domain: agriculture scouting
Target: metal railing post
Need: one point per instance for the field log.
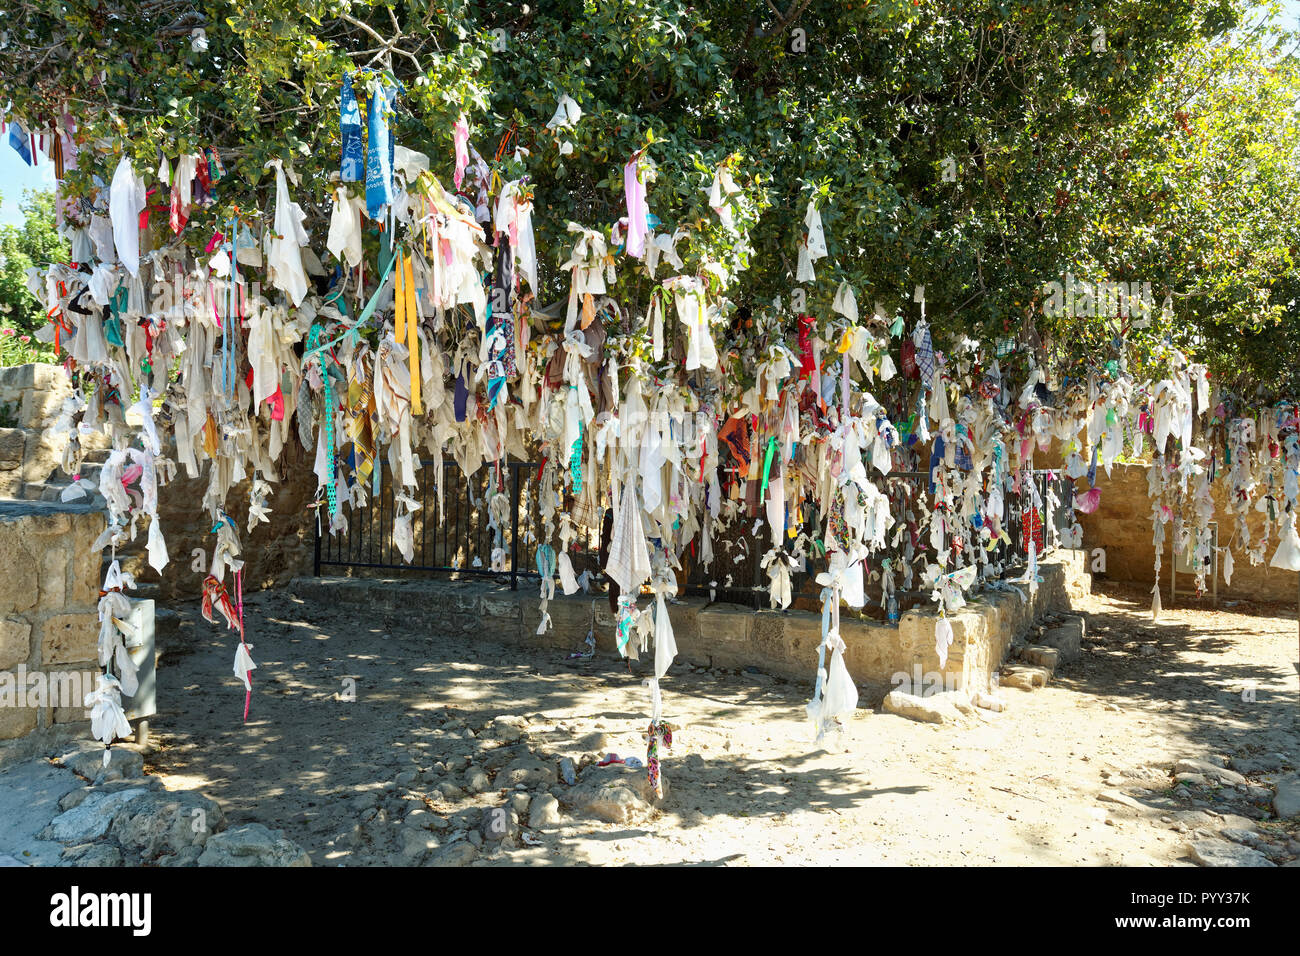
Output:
(514, 526)
(315, 565)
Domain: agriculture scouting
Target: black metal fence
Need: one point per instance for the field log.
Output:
(462, 540)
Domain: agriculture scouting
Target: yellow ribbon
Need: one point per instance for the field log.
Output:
(406, 322)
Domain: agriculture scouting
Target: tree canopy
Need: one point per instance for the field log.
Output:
(35, 243)
(981, 149)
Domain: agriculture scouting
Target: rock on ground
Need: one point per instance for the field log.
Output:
(1066, 639)
(90, 819)
(544, 811)
(944, 708)
(528, 770)
(87, 760)
(1214, 852)
(252, 845)
(167, 823)
(615, 793)
(1286, 802)
(1204, 767)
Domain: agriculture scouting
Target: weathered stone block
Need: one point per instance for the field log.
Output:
(15, 721)
(15, 642)
(17, 569)
(67, 638)
(13, 443)
(1066, 639)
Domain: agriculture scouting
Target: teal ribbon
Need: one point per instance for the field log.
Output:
(575, 461)
(113, 328)
(313, 346)
(362, 319)
(546, 561)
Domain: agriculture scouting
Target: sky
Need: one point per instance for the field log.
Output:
(16, 176)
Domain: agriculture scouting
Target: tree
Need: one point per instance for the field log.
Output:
(1198, 200)
(35, 243)
(977, 148)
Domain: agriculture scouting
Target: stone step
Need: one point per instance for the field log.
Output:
(1040, 656)
(89, 471)
(1024, 677)
(53, 491)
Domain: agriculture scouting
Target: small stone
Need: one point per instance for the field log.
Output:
(88, 761)
(507, 729)
(404, 779)
(943, 708)
(416, 844)
(93, 854)
(497, 824)
(543, 811)
(460, 853)
(476, 781)
(419, 817)
(1024, 678)
(519, 803)
(74, 798)
(528, 770)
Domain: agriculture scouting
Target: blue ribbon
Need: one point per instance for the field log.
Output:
(353, 162)
(380, 149)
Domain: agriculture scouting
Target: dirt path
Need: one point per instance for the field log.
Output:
(746, 786)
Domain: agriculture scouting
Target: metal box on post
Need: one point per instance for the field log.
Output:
(139, 635)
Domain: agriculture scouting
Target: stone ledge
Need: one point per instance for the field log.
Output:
(724, 635)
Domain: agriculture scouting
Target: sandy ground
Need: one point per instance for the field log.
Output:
(747, 787)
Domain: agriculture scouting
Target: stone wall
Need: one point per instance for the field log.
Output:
(1121, 526)
(49, 623)
(31, 455)
(274, 553)
(31, 397)
(725, 635)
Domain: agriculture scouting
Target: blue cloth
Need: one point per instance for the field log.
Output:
(936, 456)
(379, 150)
(460, 398)
(353, 162)
(19, 141)
(962, 456)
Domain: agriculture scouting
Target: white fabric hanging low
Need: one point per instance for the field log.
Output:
(107, 719)
(284, 265)
(568, 580)
(244, 665)
(1287, 556)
